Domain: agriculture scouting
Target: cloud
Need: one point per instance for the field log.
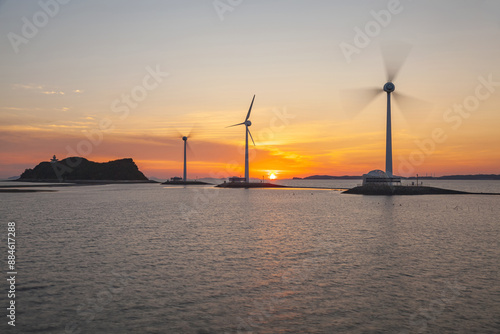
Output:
(27, 87)
(20, 109)
(46, 90)
(52, 92)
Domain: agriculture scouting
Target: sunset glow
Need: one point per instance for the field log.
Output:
(129, 91)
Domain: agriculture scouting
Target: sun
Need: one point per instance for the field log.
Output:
(272, 176)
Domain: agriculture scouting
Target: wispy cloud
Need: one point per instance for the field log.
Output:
(46, 90)
(34, 109)
(53, 92)
(20, 109)
(28, 86)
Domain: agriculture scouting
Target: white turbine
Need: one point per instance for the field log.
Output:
(247, 123)
(394, 59)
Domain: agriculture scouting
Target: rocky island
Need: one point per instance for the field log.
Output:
(77, 169)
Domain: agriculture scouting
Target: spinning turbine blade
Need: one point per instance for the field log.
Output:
(250, 110)
(251, 136)
(178, 134)
(194, 131)
(185, 133)
(189, 148)
(412, 107)
(394, 55)
(356, 100)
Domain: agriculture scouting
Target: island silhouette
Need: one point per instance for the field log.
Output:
(78, 169)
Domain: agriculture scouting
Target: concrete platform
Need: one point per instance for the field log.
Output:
(185, 183)
(407, 190)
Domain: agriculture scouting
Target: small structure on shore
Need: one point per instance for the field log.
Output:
(177, 180)
(378, 182)
(378, 178)
(240, 182)
(237, 179)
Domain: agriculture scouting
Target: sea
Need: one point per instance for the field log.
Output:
(150, 258)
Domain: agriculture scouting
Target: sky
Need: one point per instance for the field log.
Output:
(120, 78)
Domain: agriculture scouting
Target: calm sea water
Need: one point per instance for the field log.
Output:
(152, 259)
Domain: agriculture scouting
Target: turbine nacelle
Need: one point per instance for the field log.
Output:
(389, 87)
(248, 123)
(184, 138)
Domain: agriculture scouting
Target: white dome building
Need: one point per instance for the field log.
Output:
(379, 178)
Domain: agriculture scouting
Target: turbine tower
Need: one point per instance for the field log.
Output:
(186, 147)
(185, 138)
(388, 88)
(247, 124)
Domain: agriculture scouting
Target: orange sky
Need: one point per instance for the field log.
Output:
(167, 68)
(293, 150)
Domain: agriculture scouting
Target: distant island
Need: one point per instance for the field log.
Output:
(445, 177)
(459, 177)
(328, 177)
(80, 169)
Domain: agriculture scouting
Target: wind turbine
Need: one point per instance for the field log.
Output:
(394, 58)
(185, 138)
(247, 123)
(186, 146)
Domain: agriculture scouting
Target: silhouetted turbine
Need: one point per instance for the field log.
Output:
(247, 124)
(186, 147)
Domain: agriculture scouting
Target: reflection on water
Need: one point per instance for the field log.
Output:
(150, 259)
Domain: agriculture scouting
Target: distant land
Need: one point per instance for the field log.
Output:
(445, 177)
(328, 177)
(460, 177)
(80, 169)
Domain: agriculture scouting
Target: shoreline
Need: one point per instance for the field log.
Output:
(81, 182)
(403, 190)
